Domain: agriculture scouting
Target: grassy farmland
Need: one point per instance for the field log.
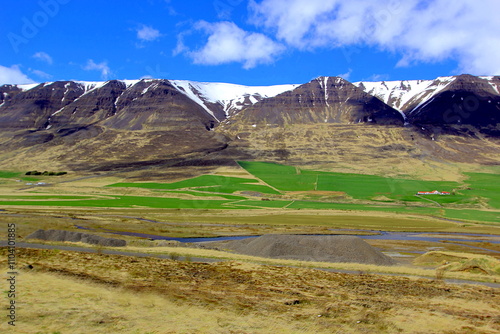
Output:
(281, 187)
(210, 183)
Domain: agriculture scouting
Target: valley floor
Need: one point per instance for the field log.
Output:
(67, 291)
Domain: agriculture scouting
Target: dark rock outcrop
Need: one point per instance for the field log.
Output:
(468, 100)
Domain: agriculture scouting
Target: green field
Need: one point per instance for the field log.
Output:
(211, 183)
(203, 194)
(358, 186)
(486, 186)
(285, 178)
(43, 197)
(274, 187)
(8, 175)
(125, 202)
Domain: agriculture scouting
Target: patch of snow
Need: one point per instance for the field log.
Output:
(130, 83)
(5, 95)
(89, 86)
(66, 86)
(399, 94)
(27, 86)
(57, 112)
(326, 90)
(495, 87)
(152, 86)
(423, 104)
(229, 96)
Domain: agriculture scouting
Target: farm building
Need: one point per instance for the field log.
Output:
(435, 192)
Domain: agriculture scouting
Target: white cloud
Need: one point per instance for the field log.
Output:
(102, 67)
(228, 43)
(421, 31)
(377, 77)
(43, 56)
(346, 75)
(148, 33)
(41, 74)
(13, 75)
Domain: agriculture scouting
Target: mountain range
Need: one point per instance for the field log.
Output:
(151, 122)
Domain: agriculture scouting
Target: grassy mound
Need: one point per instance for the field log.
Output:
(461, 262)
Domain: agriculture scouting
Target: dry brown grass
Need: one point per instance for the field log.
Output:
(366, 149)
(52, 303)
(148, 295)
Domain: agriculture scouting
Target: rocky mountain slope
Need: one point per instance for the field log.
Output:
(151, 122)
(322, 100)
(460, 100)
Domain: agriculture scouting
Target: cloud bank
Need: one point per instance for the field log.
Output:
(228, 43)
(419, 31)
(13, 75)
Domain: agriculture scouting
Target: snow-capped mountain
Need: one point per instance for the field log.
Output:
(409, 94)
(77, 102)
(322, 100)
(158, 104)
(406, 94)
(230, 98)
(156, 122)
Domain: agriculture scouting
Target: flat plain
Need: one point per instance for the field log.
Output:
(239, 292)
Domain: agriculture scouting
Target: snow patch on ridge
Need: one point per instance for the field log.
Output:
(229, 96)
(89, 86)
(495, 86)
(27, 86)
(323, 82)
(401, 94)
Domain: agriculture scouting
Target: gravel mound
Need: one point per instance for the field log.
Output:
(59, 235)
(324, 248)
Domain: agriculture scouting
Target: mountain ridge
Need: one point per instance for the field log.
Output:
(119, 123)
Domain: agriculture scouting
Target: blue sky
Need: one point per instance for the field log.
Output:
(259, 42)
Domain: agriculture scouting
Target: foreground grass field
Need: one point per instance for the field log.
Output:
(146, 295)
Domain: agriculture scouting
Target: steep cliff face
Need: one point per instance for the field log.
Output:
(467, 100)
(94, 103)
(463, 99)
(151, 104)
(322, 100)
(31, 109)
(7, 92)
(407, 94)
